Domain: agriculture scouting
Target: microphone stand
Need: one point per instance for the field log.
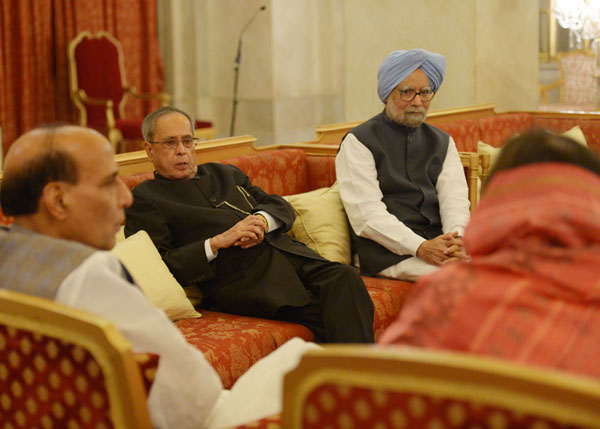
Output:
(236, 70)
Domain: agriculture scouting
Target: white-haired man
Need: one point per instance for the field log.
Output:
(400, 179)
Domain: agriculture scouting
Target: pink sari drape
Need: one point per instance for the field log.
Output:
(531, 292)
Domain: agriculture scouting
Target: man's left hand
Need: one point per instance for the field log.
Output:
(247, 242)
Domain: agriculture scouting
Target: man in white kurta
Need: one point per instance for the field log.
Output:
(401, 180)
(62, 187)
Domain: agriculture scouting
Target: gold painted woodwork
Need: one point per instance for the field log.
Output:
(560, 396)
(123, 382)
(80, 98)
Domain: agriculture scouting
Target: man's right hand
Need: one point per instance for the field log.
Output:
(246, 233)
(442, 248)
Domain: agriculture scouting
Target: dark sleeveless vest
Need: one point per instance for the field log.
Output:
(409, 162)
(37, 264)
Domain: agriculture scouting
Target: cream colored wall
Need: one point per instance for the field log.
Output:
(311, 62)
(490, 46)
(506, 55)
(308, 57)
(199, 43)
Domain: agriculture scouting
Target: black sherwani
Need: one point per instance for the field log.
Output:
(278, 278)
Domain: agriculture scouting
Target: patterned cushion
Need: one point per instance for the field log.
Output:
(495, 130)
(233, 343)
(47, 383)
(465, 133)
(342, 406)
(281, 172)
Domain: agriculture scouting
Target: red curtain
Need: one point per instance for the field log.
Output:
(34, 73)
(26, 72)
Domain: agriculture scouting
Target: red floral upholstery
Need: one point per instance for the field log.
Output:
(282, 172)
(495, 130)
(465, 133)
(388, 297)
(47, 383)
(348, 406)
(259, 337)
(321, 171)
(233, 343)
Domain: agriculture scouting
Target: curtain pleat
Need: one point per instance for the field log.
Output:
(34, 72)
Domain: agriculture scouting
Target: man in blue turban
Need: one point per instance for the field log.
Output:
(400, 179)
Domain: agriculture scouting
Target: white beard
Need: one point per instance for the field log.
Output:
(410, 117)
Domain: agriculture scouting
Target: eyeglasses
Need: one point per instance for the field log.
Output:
(171, 143)
(409, 94)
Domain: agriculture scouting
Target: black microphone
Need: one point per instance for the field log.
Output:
(238, 57)
(236, 67)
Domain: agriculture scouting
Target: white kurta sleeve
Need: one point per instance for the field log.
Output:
(186, 386)
(363, 200)
(453, 193)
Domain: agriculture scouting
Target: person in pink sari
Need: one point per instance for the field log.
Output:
(531, 290)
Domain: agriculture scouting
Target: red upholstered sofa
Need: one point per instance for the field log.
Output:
(468, 125)
(233, 343)
(496, 129)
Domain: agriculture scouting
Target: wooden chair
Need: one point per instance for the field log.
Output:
(61, 367)
(370, 387)
(578, 82)
(98, 87)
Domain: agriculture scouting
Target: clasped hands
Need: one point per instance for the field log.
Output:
(442, 249)
(248, 232)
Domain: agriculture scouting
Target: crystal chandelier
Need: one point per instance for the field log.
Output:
(582, 17)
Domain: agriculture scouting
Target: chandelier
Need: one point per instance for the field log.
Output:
(582, 17)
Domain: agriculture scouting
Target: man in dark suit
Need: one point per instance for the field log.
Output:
(217, 231)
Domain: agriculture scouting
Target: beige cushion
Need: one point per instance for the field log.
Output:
(321, 223)
(483, 148)
(143, 261)
(576, 134)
